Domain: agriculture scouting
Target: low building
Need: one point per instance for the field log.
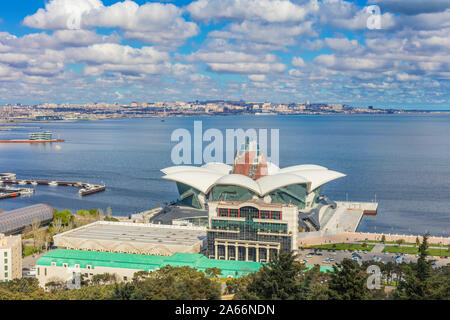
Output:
(10, 257)
(64, 265)
(137, 238)
(15, 221)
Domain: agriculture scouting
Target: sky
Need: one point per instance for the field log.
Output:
(384, 53)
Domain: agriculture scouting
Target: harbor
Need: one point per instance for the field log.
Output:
(10, 179)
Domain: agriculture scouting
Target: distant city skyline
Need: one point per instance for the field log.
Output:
(328, 51)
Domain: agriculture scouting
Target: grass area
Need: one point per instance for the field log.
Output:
(343, 246)
(407, 243)
(413, 250)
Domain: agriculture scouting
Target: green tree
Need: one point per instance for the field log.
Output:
(277, 280)
(383, 238)
(213, 272)
(348, 281)
(65, 216)
(417, 281)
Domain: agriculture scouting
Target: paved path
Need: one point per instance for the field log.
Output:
(378, 248)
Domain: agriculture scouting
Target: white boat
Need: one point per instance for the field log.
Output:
(53, 184)
(34, 183)
(22, 182)
(27, 192)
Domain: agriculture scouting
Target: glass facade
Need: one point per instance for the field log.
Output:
(231, 193)
(268, 237)
(295, 194)
(189, 195)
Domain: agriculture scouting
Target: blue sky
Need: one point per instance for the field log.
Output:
(78, 51)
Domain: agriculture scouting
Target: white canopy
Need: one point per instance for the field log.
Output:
(200, 180)
(206, 177)
(302, 167)
(279, 180)
(239, 180)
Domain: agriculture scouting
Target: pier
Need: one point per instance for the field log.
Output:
(10, 178)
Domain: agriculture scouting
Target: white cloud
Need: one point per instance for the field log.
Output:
(341, 44)
(238, 62)
(156, 23)
(266, 10)
(298, 62)
(257, 77)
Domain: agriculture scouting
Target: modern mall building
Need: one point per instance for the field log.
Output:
(250, 178)
(256, 209)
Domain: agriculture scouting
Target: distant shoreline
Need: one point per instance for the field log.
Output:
(428, 112)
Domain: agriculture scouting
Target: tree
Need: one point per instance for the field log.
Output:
(417, 283)
(57, 225)
(348, 281)
(383, 238)
(101, 214)
(35, 230)
(65, 216)
(213, 272)
(417, 242)
(277, 280)
(109, 212)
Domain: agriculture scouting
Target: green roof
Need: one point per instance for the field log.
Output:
(148, 262)
(144, 262)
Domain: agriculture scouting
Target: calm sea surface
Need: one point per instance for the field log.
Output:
(401, 160)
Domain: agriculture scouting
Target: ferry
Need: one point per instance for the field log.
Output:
(46, 135)
(36, 137)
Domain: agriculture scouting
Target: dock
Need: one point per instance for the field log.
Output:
(8, 192)
(84, 188)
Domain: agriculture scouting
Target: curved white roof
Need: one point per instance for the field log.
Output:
(279, 180)
(239, 180)
(318, 177)
(176, 169)
(218, 167)
(200, 180)
(211, 174)
(272, 168)
(302, 167)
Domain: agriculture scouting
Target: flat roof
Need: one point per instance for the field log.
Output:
(144, 262)
(136, 232)
(149, 262)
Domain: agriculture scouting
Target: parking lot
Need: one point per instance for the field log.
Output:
(323, 257)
